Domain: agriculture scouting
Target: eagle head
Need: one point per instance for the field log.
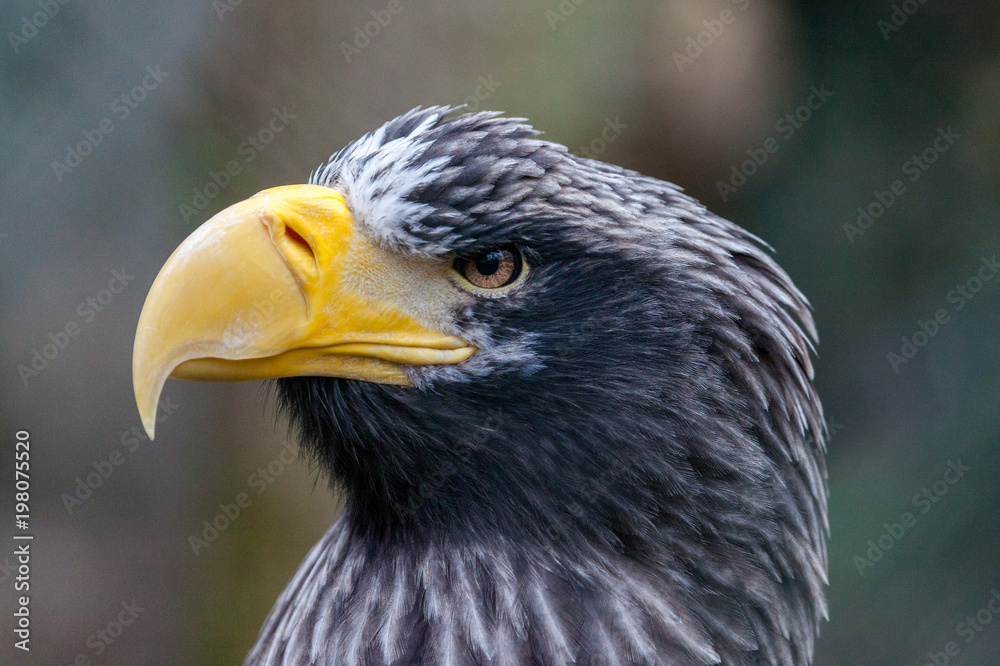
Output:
(570, 410)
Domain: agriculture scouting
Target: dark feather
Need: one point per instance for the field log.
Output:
(630, 471)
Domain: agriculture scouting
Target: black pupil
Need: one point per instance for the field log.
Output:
(489, 263)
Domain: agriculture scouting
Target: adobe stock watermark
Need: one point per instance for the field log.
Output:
(86, 312)
(430, 484)
(247, 151)
(911, 171)
(30, 25)
(364, 34)
(223, 7)
(832, 428)
(573, 512)
(487, 86)
(563, 11)
(696, 44)
(121, 108)
(969, 630)
(786, 127)
(228, 512)
(922, 502)
(110, 633)
(250, 321)
(612, 130)
(101, 470)
(958, 298)
(899, 17)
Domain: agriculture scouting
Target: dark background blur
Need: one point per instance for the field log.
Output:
(620, 80)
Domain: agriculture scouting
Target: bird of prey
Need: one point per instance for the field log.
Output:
(571, 411)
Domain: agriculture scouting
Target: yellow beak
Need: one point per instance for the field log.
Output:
(279, 285)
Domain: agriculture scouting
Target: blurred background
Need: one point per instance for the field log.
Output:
(861, 140)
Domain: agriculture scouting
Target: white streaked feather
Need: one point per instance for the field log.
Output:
(606, 646)
(375, 176)
(341, 605)
(631, 626)
(399, 606)
(549, 624)
(471, 616)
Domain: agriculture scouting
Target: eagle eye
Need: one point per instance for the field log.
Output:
(491, 270)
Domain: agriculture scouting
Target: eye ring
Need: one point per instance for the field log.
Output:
(491, 271)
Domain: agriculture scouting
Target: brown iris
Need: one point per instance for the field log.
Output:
(491, 269)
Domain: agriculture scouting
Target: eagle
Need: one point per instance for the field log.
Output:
(570, 411)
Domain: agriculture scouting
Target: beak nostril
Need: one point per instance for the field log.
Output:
(296, 238)
(298, 252)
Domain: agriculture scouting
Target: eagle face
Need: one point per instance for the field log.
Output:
(570, 410)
